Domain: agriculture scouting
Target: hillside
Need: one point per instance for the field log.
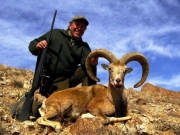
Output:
(154, 110)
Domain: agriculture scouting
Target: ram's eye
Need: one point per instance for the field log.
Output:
(109, 69)
(124, 71)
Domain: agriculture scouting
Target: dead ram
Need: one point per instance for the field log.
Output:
(98, 100)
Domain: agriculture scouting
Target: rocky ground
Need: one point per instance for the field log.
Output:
(154, 111)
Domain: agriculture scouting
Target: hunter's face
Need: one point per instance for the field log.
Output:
(77, 28)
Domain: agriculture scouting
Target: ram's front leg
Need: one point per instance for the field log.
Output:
(92, 114)
(119, 119)
(109, 119)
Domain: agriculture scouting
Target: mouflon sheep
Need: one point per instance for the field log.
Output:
(108, 103)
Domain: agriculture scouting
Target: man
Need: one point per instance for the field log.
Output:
(68, 53)
(67, 50)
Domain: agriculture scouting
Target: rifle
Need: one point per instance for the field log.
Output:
(40, 74)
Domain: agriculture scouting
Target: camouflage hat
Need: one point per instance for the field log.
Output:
(80, 17)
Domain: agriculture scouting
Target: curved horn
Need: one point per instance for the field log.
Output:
(135, 56)
(98, 53)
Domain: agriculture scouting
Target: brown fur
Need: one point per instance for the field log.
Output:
(98, 100)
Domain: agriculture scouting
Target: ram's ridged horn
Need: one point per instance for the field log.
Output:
(98, 53)
(135, 56)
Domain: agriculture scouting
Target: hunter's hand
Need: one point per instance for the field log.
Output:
(41, 45)
(94, 61)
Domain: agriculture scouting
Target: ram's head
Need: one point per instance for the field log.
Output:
(117, 67)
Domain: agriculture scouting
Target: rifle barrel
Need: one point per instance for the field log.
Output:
(25, 111)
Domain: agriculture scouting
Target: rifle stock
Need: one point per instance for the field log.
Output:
(24, 113)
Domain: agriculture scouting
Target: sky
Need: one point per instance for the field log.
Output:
(151, 27)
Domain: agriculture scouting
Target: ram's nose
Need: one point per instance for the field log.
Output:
(118, 80)
(118, 83)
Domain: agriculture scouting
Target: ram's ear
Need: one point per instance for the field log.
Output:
(104, 66)
(129, 70)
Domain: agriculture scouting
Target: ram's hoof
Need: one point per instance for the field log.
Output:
(58, 131)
